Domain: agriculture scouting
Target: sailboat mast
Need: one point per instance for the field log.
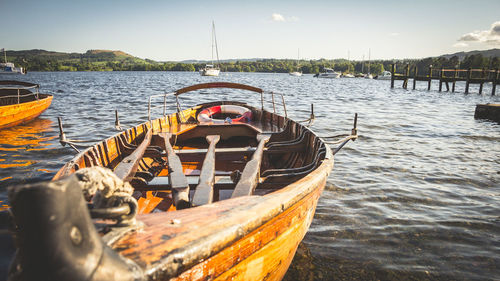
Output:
(5, 55)
(214, 37)
(363, 64)
(368, 61)
(298, 57)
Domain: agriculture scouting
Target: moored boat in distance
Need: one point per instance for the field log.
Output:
(9, 67)
(386, 75)
(21, 102)
(328, 73)
(222, 190)
(347, 75)
(296, 72)
(212, 69)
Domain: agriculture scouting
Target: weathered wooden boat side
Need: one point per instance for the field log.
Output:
(19, 106)
(278, 166)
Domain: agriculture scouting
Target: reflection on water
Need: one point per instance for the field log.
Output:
(415, 198)
(22, 147)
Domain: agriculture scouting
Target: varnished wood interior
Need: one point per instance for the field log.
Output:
(291, 152)
(230, 238)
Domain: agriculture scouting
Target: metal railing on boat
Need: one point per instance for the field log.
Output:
(266, 97)
(19, 95)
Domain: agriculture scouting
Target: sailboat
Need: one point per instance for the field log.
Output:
(10, 68)
(297, 72)
(369, 75)
(212, 69)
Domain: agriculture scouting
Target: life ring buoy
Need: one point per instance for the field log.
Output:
(245, 114)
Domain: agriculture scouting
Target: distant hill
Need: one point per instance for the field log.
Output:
(99, 55)
(485, 53)
(116, 53)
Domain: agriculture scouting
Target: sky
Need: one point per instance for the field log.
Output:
(181, 30)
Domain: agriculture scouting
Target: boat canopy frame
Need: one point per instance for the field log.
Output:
(19, 86)
(266, 97)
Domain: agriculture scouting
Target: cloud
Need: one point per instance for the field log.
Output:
(280, 18)
(460, 45)
(491, 36)
(394, 34)
(277, 17)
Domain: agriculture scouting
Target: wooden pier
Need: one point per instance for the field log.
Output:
(447, 76)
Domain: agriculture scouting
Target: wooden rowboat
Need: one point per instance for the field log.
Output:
(18, 104)
(217, 197)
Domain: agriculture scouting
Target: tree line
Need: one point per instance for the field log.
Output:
(110, 62)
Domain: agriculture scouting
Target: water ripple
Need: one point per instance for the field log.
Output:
(414, 198)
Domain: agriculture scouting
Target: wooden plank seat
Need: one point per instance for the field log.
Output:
(195, 154)
(220, 183)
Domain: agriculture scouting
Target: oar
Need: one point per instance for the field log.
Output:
(251, 173)
(204, 193)
(178, 181)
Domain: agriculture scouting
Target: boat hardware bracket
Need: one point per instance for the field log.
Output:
(117, 121)
(311, 117)
(353, 136)
(65, 141)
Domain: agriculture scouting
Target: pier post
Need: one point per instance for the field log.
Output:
(481, 84)
(454, 80)
(430, 78)
(441, 79)
(407, 74)
(467, 80)
(393, 69)
(494, 82)
(415, 71)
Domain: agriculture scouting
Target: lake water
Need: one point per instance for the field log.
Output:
(415, 197)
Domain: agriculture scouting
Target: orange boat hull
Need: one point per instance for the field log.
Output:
(12, 115)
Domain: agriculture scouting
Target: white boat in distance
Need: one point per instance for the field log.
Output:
(10, 68)
(369, 75)
(328, 73)
(297, 72)
(386, 75)
(212, 69)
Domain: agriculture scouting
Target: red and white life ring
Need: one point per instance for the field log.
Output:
(245, 114)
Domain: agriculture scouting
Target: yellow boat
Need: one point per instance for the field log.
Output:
(220, 191)
(20, 102)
